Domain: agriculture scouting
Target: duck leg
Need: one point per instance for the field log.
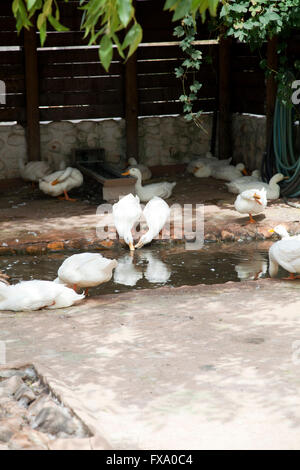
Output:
(291, 277)
(66, 197)
(251, 220)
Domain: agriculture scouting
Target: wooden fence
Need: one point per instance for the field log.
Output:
(65, 81)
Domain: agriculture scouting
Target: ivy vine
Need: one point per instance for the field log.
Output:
(253, 22)
(187, 31)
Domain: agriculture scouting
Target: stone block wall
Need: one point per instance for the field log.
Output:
(163, 140)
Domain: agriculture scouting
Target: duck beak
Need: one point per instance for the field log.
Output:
(55, 182)
(126, 173)
(195, 169)
(286, 178)
(245, 172)
(257, 198)
(271, 230)
(131, 246)
(139, 244)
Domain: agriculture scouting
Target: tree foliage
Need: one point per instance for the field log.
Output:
(254, 21)
(104, 22)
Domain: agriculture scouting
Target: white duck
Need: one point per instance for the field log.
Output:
(193, 163)
(233, 185)
(156, 214)
(252, 269)
(126, 273)
(126, 213)
(252, 201)
(157, 271)
(228, 172)
(60, 182)
(34, 171)
(285, 253)
(34, 295)
(202, 170)
(145, 193)
(145, 171)
(282, 232)
(85, 270)
(4, 278)
(208, 161)
(272, 189)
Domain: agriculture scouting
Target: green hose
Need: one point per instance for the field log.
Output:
(285, 160)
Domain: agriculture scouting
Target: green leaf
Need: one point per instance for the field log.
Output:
(31, 3)
(125, 11)
(133, 39)
(213, 4)
(41, 20)
(56, 24)
(43, 33)
(106, 51)
(47, 10)
(118, 44)
(182, 9)
(170, 4)
(15, 7)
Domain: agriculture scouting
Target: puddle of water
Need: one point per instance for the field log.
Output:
(156, 266)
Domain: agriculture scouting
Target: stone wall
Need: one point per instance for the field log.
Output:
(249, 139)
(163, 140)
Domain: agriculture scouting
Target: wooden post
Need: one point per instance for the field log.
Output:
(225, 140)
(131, 108)
(271, 87)
(32, 95)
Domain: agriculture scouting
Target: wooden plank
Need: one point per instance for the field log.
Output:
(171, 51)
(131, 108)
(172, 93)
(251, 79)
(167, 79)
(14, 85)
(7, 23)
(12, 114)
(66, 38)
(225, 140)
(11, 57)
(246, 63)
(15, 71)
(62, 56)
(81, 84)
(6, 9)
(249, 107)
(80, 98)
(78, 70)
(10, 38)
(81, 112)
(271, 86)
(167, 66)
(154, 109)
(32, 96)
(13, 100)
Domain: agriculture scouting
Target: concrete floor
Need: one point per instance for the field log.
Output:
(204, 367)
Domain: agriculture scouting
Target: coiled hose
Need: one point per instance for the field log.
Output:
(280, 156)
